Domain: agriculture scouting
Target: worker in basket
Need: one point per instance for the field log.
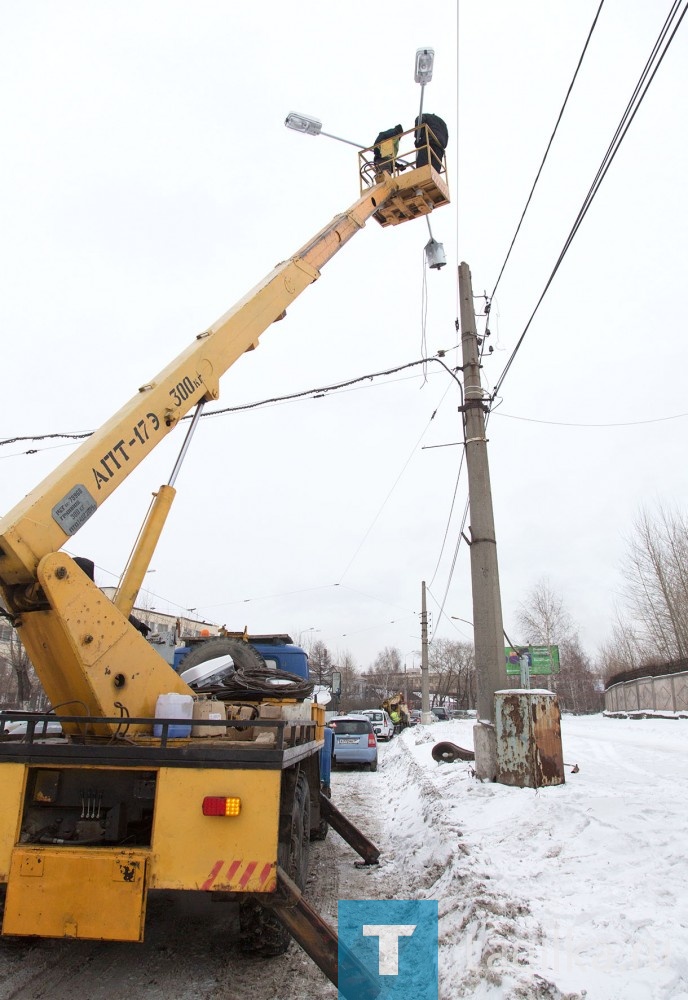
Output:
(386, 149)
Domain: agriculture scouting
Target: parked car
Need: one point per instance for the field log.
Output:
(383, 727)
(440, 713)
(415, 717)
(354, 741)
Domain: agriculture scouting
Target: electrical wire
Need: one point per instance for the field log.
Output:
(442, 614)
(562, 423)
(396, 481)
(629, 114)
(316, 393)
(36, 451)
(452, 568)
(456, 487)
(549, 146)
(449, 518)
(372, 597)
(634, 103)
(424, 315)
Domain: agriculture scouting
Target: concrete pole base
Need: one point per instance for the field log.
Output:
(485, 743)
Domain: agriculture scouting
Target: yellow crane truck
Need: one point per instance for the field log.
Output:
(121, 803)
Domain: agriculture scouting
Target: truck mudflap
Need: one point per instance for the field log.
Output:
(319, 940)
(112, 883)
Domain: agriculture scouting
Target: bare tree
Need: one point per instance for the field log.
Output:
(626, 649)
(7, 681)
(351, 695)
(385, 677)
(578, 686)
(544, 620)
(22, 668)
(542, 616)
(451, 666)
(389, 664)
(656, 583)
(320, 663)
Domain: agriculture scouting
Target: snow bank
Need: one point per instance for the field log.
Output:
(566, 892)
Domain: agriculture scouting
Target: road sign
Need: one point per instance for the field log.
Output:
(541, 659)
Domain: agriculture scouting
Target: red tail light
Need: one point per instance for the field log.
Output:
(372, 742)
(215, 805)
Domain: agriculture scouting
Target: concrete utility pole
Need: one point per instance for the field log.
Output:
(426, 715)
(487, 605)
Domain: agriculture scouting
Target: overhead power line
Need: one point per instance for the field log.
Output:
(620, 423)
(315, 393)
(549, 146)
(653, 63)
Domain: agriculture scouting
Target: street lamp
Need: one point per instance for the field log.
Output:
(425, 60)
(313, 126)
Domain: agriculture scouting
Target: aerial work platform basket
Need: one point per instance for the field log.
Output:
(416, 160)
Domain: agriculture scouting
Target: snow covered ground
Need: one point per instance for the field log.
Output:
(580, 890)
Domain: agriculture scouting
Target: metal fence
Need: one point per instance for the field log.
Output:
(668, 693)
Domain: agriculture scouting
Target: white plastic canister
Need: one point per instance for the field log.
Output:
(173, 706)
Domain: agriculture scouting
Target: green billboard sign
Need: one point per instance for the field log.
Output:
(541, 659)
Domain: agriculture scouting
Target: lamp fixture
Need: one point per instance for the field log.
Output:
(302, 123)
(425, 59)
(313, 126)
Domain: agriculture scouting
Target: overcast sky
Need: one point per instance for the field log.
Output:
(147, 183)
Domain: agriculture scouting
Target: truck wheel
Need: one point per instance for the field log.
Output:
(321, 832)
(243, 653)
(296, 854)
(260, 931)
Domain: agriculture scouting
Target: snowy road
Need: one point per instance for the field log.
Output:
(557, 894)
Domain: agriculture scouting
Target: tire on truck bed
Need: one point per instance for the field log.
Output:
(244, 655)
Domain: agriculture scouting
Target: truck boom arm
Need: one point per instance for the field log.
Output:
(82, 646)
(65, 500)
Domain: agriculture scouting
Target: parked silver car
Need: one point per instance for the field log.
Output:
(354, 741)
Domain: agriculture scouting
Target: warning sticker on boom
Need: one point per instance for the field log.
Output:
(74, 510)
